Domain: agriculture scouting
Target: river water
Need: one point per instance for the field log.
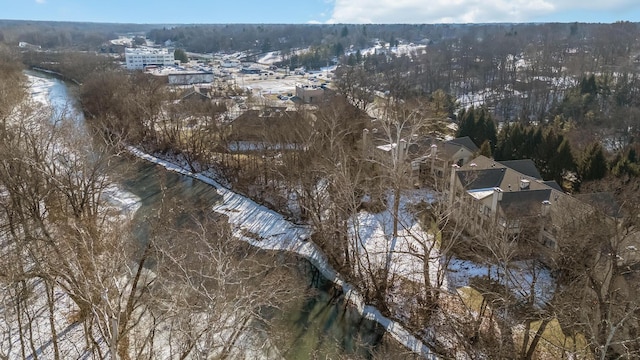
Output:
(320, 326)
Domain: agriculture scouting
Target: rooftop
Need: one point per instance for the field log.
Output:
(146, 51)
(466, 142)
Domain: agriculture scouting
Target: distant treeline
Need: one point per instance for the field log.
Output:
(65, 35)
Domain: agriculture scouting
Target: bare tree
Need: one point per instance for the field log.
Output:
(597, 267)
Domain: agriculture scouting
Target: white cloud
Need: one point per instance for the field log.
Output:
(41, 1)
(463, 11)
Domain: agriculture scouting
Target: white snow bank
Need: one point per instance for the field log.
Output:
(128, 202)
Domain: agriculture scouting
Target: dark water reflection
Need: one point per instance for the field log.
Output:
(315, 326)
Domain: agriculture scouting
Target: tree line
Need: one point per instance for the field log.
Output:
(330, 154)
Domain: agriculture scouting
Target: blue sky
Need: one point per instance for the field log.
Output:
(146, 11)
(322, 11)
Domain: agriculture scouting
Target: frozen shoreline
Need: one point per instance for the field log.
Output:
(276, 233)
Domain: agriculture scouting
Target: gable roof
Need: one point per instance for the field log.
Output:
(524, 166)
(464, 141)
(481, 179)
(445, 150)
(196, 92)
(553, 184)
(515, 172)
(516, 204)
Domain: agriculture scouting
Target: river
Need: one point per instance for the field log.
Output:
(320, 326)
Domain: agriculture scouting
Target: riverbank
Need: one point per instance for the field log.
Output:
(318, 324)
(267, 229)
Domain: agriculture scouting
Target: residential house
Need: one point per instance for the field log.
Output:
(197, 93)
(509, 197)
(440, 156)
(269, 128)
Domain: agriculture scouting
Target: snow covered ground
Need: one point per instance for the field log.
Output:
(401, 49)
(52, 94)
(71, 335)
(278, 83)
(270, 58)
(405, 253)
(520, 276)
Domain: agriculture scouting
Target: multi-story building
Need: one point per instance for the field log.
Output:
(441, 155)
(139, 58)
(508, 196)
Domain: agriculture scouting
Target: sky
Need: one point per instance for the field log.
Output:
(321, 11)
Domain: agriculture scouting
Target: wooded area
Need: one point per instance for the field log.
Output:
(562, 95)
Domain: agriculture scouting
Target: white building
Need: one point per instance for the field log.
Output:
(188, 78)
(310, 94)
(139, 58)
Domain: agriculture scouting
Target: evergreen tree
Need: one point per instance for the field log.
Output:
(351, 60)
(485, 149)
(561, 162)
(478, 125)
(266, 45)
(491, 133)
(501, 144)
(179, 54)
(516, 139)
(479, 128)
(546, 151)
(625, 164)
(588, 85)
(344, 32)
(465, 127)
(536, 141)
(339, 49)
(594, 163)
(504, 146)
(624, 167)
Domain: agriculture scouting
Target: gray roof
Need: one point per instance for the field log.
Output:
(466, 142)
(553, 184)
(523, 203)
(481, 179)
(524, 166)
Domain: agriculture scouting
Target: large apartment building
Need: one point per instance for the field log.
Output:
(511, 197)
(139, 58)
